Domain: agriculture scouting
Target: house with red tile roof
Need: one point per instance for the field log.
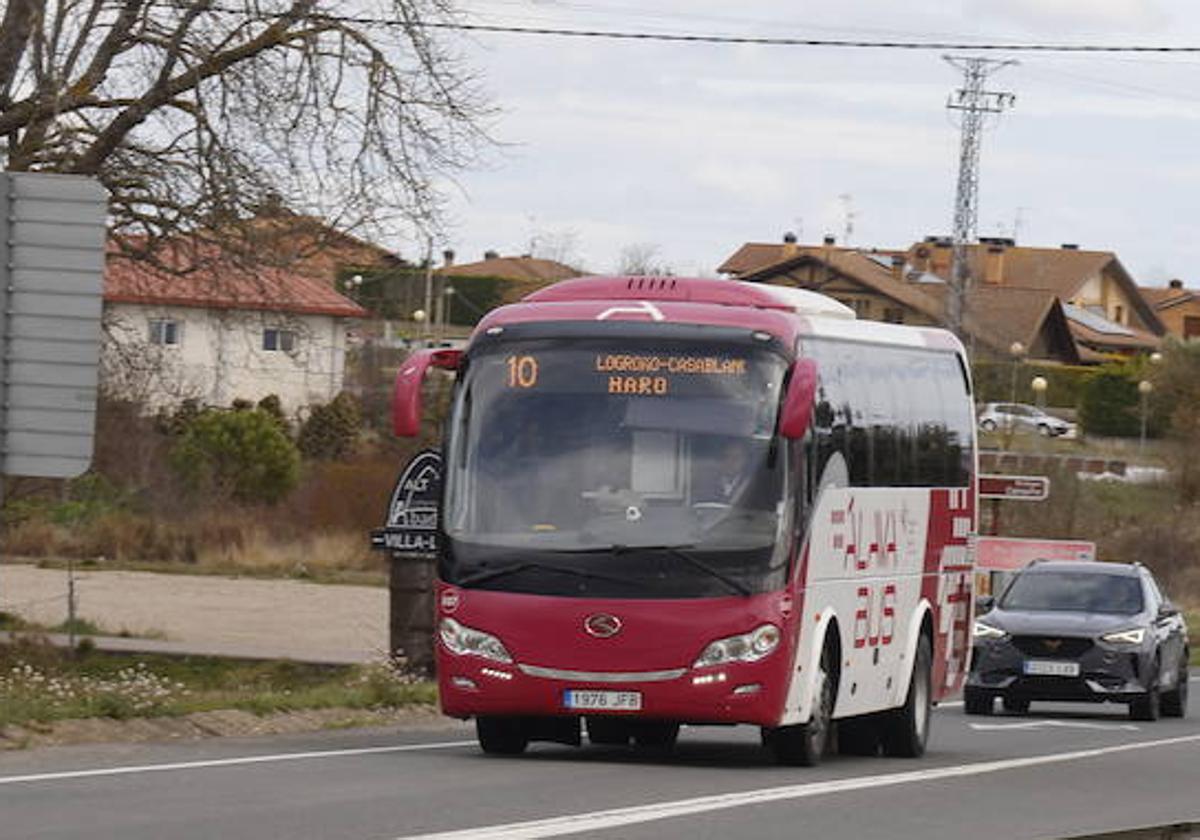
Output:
(1062, 304)
(1178, 307)
(879, 286)
(189, 320)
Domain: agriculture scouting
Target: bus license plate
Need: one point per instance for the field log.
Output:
(1051, 668)
(609, 701)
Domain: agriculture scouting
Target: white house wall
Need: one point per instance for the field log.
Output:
(220, 356)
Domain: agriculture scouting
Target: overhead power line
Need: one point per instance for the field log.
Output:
(794, 42)
(684, 38)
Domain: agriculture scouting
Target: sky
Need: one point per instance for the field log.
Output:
(692, 150)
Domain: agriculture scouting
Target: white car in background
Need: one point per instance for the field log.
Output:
(1019, 417)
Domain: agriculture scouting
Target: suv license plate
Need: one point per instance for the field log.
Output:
(1051, 668)
(610, 701)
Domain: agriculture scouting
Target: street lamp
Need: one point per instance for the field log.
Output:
(1016, 350)
(1144, 389)
(1039, 386)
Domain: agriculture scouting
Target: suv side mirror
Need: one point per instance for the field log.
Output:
(984, 603)
(1167, 610)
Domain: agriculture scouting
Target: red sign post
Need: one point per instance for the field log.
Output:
(1004, 554)
(1026, 488)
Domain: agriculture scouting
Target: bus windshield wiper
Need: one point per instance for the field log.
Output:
(513, 568)
(680, 552)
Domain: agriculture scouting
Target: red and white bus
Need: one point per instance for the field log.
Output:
(691, 501)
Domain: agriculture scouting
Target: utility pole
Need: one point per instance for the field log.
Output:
(975, 103)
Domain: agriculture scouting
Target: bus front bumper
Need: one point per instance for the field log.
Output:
(749, 693)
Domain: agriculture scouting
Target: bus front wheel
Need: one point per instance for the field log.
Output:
(501, 736)
(805, 744)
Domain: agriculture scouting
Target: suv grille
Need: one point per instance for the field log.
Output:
(1066, 647)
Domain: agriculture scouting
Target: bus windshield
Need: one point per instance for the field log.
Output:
(603, 468)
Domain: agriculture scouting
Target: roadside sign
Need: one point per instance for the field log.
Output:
(1025, 488)
(1003, 554)
(52, 233)
(411, 527)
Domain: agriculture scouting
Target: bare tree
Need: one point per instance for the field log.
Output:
(642, 258)
(560, 245)
(198, 115)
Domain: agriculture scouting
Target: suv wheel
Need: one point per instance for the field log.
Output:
(1174, 702)
(988, 425)
(1044, 430)
(1015, 705)
(1149, 705)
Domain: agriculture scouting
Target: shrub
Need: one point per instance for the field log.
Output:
(332, 429)
(1110, 403)
(272, 405)
(994, 382)
(242, 455)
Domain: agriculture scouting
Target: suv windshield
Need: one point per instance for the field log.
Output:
(1090, 592)
(649, 464)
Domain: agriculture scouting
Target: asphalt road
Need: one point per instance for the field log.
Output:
(1062, 771)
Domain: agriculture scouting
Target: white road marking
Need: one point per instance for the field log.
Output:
(225, 762)
(1045, 724)
(616, 817)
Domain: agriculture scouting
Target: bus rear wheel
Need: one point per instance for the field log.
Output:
(906, 730)
(501, 736)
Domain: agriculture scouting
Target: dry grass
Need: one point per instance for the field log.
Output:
(341, 556)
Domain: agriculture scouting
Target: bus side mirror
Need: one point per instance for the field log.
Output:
(406, 398)
(798, 401)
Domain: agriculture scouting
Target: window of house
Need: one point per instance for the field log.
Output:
(1191, 326)
(165, 331)
(283, 341)
(893, 315)
(861, 306)
(1119, 314)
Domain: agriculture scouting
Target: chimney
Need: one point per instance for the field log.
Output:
(448, 257)
(993, 265)
(1070, 246)
(490, 255)
(1175, 284)
(830, 239)
(789, 238)
(898, 261)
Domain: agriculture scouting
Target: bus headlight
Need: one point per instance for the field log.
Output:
(748, 647)
(463, 640)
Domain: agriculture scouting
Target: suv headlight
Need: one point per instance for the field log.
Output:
(463, 640)
(987, 631)
(1134, 636)
(748, 647)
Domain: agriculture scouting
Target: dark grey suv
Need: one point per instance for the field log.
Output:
(1099, 632)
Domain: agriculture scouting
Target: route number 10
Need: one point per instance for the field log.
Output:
(522, 371)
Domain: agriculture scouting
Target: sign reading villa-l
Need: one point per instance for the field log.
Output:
(52, 235)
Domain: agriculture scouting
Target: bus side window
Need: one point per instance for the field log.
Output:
(931, 426)
(960, 432)
(857, 381)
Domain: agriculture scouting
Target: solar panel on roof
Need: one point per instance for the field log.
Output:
(1093, 321)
